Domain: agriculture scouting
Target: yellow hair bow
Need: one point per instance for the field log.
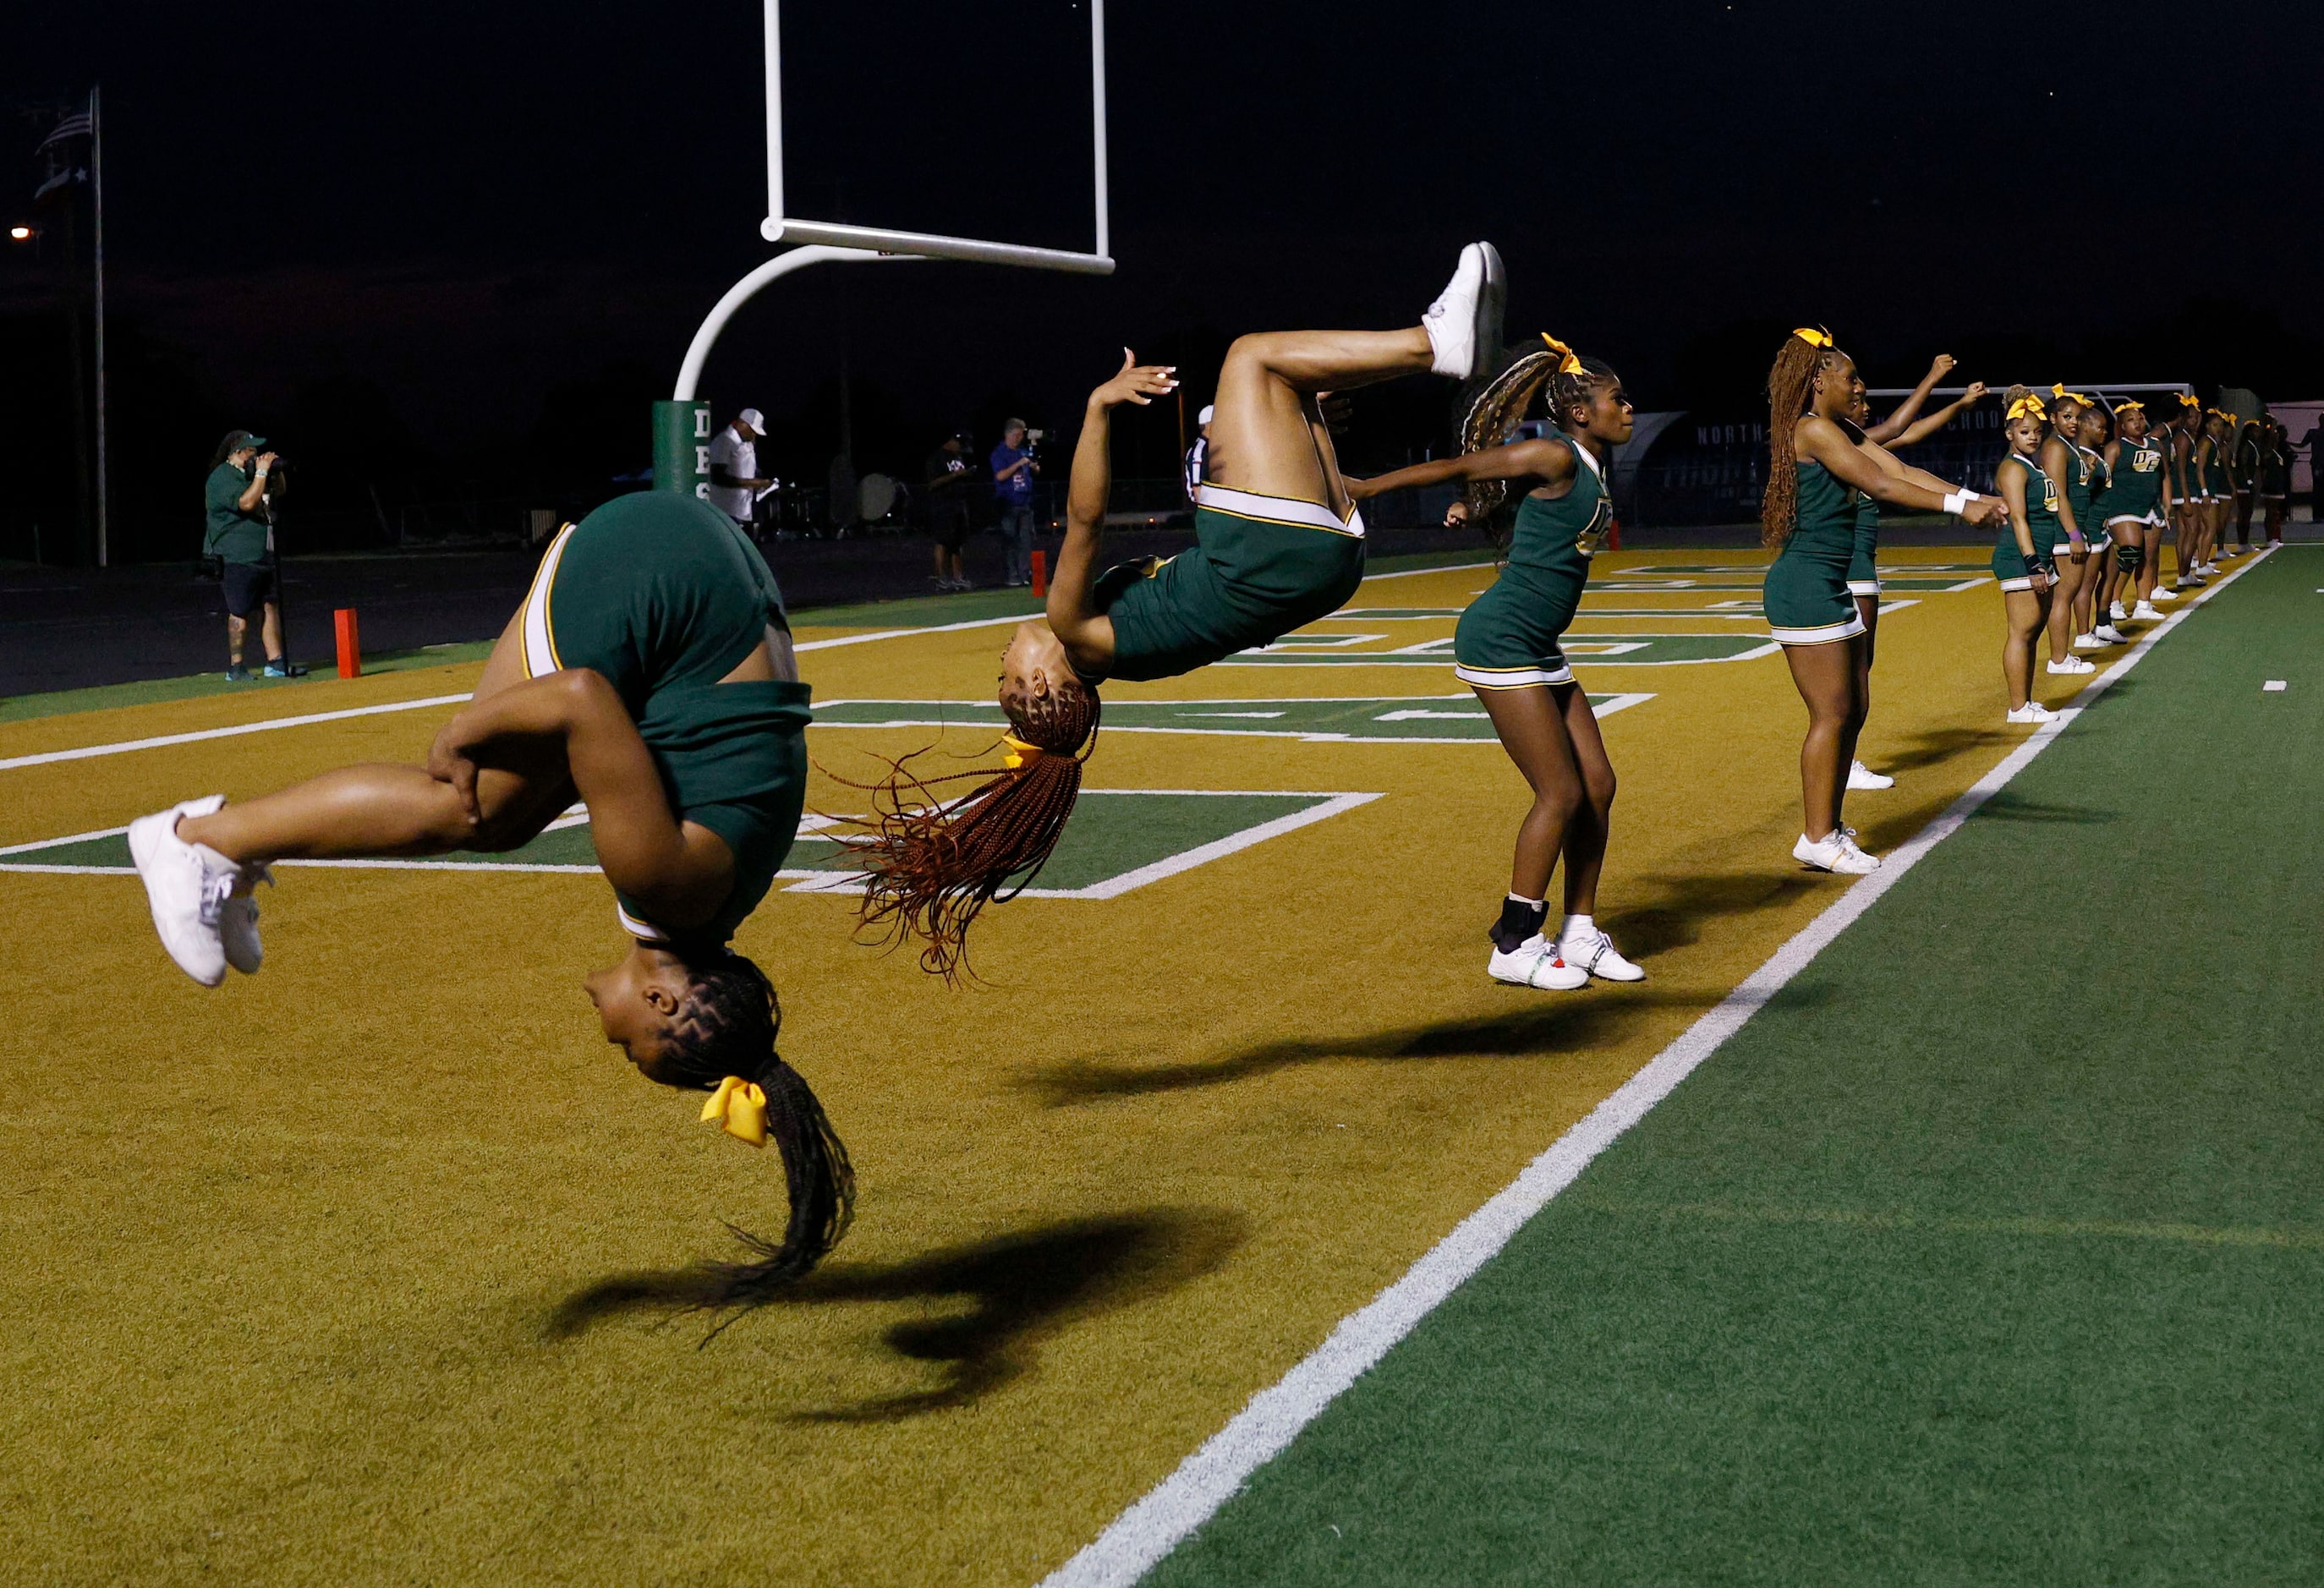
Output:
(1813, 336)
(1568, 363)
(2187, 400)
(741, 1109)
(2130, 402)
(2028, 405)
(1015, 753)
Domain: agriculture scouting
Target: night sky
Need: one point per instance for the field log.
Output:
(475, 240)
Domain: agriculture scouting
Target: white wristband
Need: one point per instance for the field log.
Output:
(1958, 499)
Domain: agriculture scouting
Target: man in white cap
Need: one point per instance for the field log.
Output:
(735, 479)
(1197, 452)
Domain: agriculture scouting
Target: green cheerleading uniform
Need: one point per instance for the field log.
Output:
(2134, 488)
(1864, 562)
(2245, 474)
(2081, 492)
(1508, 637)
(2274, 474)
(664, 596)
(2043, 527)
(1805, 594)
(1261, 566)
(2215, 484)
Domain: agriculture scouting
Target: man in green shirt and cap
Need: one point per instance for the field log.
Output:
(238, 535)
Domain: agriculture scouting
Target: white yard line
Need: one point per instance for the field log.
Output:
(1141, 1537)
(122, 747)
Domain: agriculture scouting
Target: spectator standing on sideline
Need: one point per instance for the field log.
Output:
(1013, 468)
(734, 478)
(2314, 441)
(945, 480)
(1199, 452)
(238, 535)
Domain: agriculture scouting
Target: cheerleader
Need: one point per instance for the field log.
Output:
(1816, 467)
(2022, 552)
(2068, 468)
(2131, 512)
(1506, 648)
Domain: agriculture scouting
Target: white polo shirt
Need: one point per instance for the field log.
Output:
(739, 458)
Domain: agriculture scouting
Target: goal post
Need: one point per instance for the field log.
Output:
(679, 465)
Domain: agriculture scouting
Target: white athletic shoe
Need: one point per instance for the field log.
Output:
(1596, 956)
(2073, 664)
(1464, 323)
(2115, 613)
(1535, 962)
(1838, 853)
(2032, 711)
(238, 920)
(2145, 611)
(1861, 776)
(2089, 641)
(187, 885)
(2111, 634)
(2164, 593)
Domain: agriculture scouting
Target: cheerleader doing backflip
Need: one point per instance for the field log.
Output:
(1279, 543)
(1505, 647)
(649, 673)
(1816, 468)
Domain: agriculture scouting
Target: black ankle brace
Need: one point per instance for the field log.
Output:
(1519, 921)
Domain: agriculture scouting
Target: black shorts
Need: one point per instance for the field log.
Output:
(248, 586)
(948, 527)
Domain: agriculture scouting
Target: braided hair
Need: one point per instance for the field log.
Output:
(933, 863)
(727, 1025)
(1493, 415)
(1791, 385)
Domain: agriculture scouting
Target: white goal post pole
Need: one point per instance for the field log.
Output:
(697, 352)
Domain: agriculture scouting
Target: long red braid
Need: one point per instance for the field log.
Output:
(933, 863)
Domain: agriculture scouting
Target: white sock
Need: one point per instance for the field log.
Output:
(1528, 903)
(1577, 925)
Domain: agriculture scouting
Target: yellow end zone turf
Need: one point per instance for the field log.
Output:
(350, 1273)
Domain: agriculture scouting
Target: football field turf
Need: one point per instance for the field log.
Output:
(1987, 1250)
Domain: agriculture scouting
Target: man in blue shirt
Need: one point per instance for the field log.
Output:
(1013, 468)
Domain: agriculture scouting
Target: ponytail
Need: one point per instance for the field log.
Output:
(1790, 382)
(1494, 413)
(722, 1039)
(932, 864)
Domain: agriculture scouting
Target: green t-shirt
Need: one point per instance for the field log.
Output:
(232, 534)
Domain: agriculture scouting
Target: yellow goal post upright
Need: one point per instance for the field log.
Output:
(682, 430)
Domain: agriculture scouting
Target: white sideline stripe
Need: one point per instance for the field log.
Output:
(1141, 1537)
(123, 746)
(976, 622)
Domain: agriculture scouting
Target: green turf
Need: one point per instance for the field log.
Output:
(1991, 1252)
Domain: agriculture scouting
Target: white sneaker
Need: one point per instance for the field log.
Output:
(2089, 641)
(1861, 776)
(2111, 634)
(2032, 711)
(1838, 853)
(2115, 613)
(2163, 593)
(238, 920)
(2073, 664)
(1596, 956)
(1464, 323)
(187, 885)
(1535, 962)
(2145, 611)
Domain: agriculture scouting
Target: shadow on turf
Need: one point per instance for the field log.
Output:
(1025, 1288)
(1566, 1026)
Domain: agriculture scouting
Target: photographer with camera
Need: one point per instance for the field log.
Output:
(238, 538)
(1014, 465)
